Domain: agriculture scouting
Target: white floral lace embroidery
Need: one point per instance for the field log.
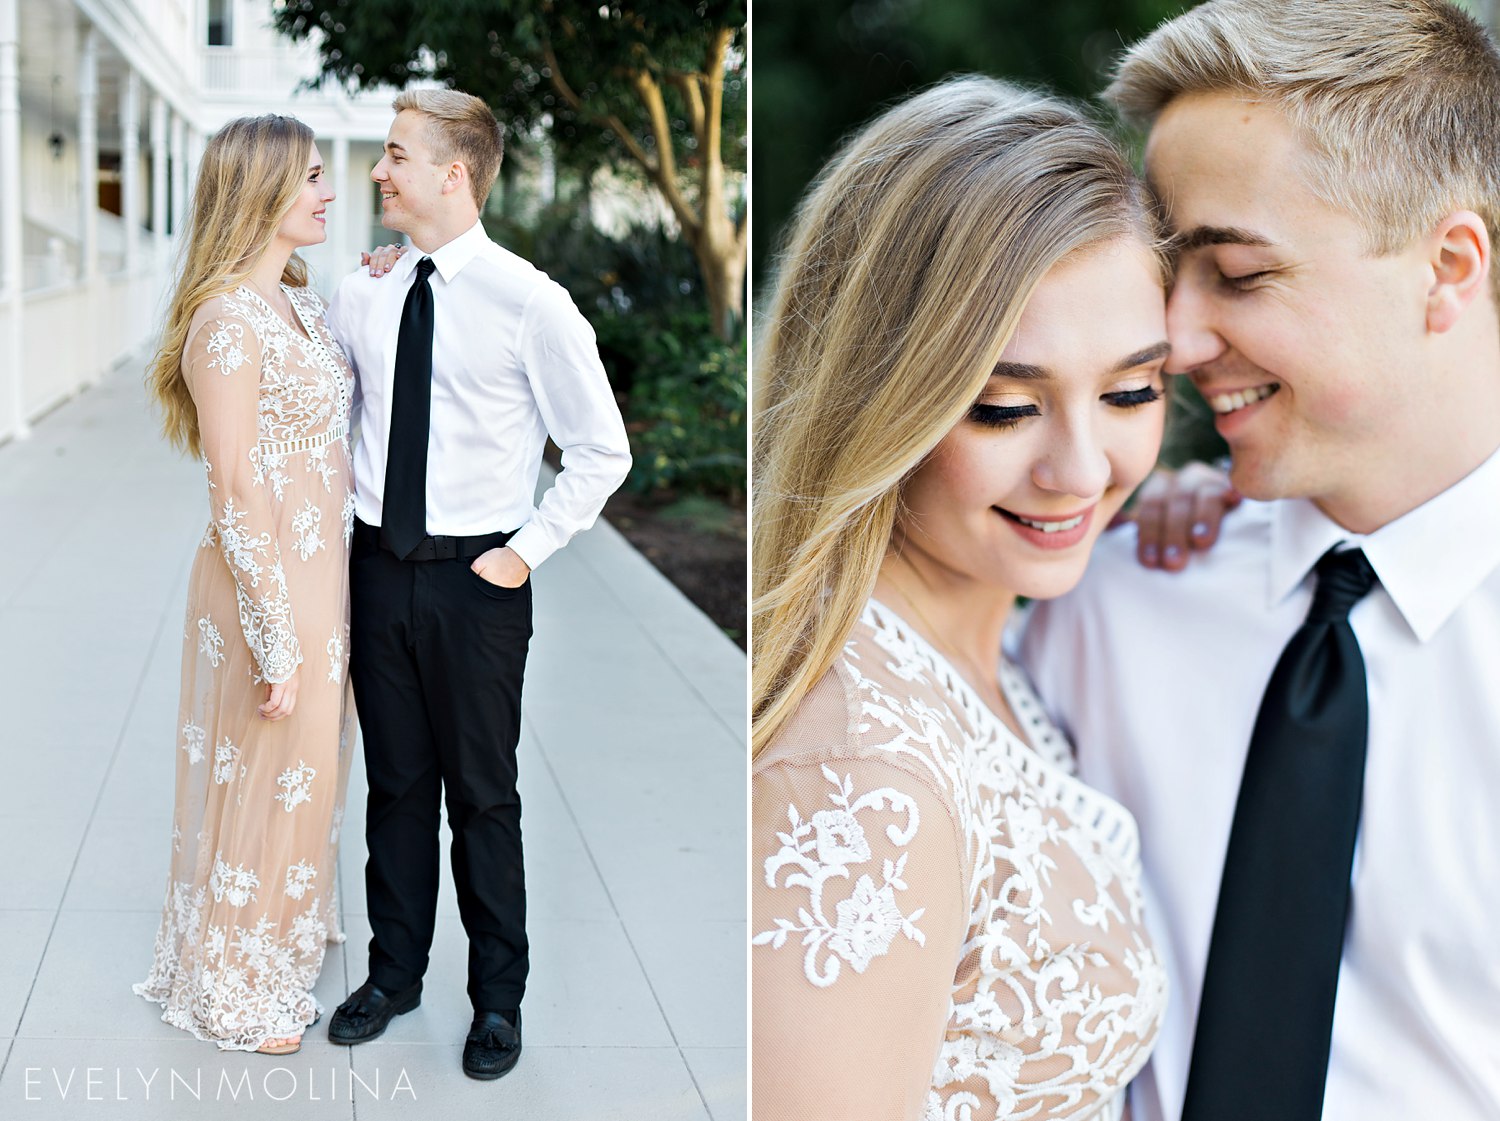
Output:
(236, 884)
(296, 784)
(318, 459)
(336, 659)
(225, 757)
(212, 643)
(1058, 994)
(226, 344)
(305, 524)
(302, 390)
(240, 947)
(824, 848)
(299, 878)
(192, 741)
(249, 985)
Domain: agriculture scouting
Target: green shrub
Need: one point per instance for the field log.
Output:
(684, 390)
(687, 412)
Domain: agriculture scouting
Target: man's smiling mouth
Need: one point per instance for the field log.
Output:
(1224, 403)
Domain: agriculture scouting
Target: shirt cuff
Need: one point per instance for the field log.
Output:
(531, 545)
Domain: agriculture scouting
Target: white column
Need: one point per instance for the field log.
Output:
(130, 168)
(88, 155)
(341, 261)
(179, 174)
(10, 222)
(159, 179)
(196, 142)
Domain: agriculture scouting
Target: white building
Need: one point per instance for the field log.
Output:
(104, 109)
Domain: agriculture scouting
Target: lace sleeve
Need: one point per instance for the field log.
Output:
(222, 364)
(858, 917)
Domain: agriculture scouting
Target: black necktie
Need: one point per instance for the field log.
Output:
(1266, 1018)
(403, 519)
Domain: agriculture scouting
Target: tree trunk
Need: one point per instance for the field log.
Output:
(721, 263)
(719, 245)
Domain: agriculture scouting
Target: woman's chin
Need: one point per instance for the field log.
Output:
(1059, 581)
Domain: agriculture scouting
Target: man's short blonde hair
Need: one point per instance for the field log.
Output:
(460, 127)
(1397, 101)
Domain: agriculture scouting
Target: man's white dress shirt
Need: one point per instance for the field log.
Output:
(1157, 678)
(512, 362)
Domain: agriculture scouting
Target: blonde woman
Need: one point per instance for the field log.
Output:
(959, 385)
(251, 382)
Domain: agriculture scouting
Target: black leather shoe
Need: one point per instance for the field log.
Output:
(493, 1045)
(369, 1011)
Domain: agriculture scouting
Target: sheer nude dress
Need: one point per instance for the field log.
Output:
(947, 925)
(250, 902)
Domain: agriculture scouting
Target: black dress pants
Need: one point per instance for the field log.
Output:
(437, 655)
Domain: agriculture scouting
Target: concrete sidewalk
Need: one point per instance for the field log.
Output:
(632, 777)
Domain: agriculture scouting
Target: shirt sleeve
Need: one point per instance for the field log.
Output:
(572, 393)
(222, 366)
(1048, 653)
(858, 919)
(336, 316)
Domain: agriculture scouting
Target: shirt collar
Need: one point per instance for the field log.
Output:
(1428, 560)
(450, 258)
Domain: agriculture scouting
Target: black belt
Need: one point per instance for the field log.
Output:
(435, 547)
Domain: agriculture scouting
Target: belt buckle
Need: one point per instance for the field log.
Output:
(444, 548)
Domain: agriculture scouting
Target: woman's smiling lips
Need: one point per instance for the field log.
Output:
(1050, 532)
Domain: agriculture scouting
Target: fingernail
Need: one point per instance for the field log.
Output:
(1200, 529)
(1173, 552)
(1149, 552)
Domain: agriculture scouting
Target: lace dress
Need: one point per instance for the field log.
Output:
(250, 902)
(947, 924)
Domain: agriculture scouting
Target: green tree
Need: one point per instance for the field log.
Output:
(823, 69)
(660, 83)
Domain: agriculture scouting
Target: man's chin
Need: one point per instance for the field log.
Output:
(1257, 484)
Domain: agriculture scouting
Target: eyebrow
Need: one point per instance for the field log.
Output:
(1201, 236)
(391, 144)
(1025, 371)
(314, 167)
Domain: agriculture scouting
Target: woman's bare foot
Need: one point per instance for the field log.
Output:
(281, 1045)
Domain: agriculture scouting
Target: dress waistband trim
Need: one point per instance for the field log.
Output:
(305, 443)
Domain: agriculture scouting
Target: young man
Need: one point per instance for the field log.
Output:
(1312, 746)
(467, 358)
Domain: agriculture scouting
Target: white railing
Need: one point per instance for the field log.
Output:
(72, 335)
(273, 72)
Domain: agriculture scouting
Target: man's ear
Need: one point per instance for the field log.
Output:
(1459, 256)
(457, 178)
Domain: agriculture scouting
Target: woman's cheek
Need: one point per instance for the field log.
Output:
(1145, 445)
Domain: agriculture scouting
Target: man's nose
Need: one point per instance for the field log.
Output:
(1191, 329)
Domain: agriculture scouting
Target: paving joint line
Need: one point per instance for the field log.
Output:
(88, 828)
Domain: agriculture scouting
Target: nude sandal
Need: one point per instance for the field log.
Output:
(288, 1047)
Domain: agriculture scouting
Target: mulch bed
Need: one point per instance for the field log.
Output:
(698, 544)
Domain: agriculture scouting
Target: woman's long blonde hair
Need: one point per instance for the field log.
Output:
(251, 173)
(901, 281)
